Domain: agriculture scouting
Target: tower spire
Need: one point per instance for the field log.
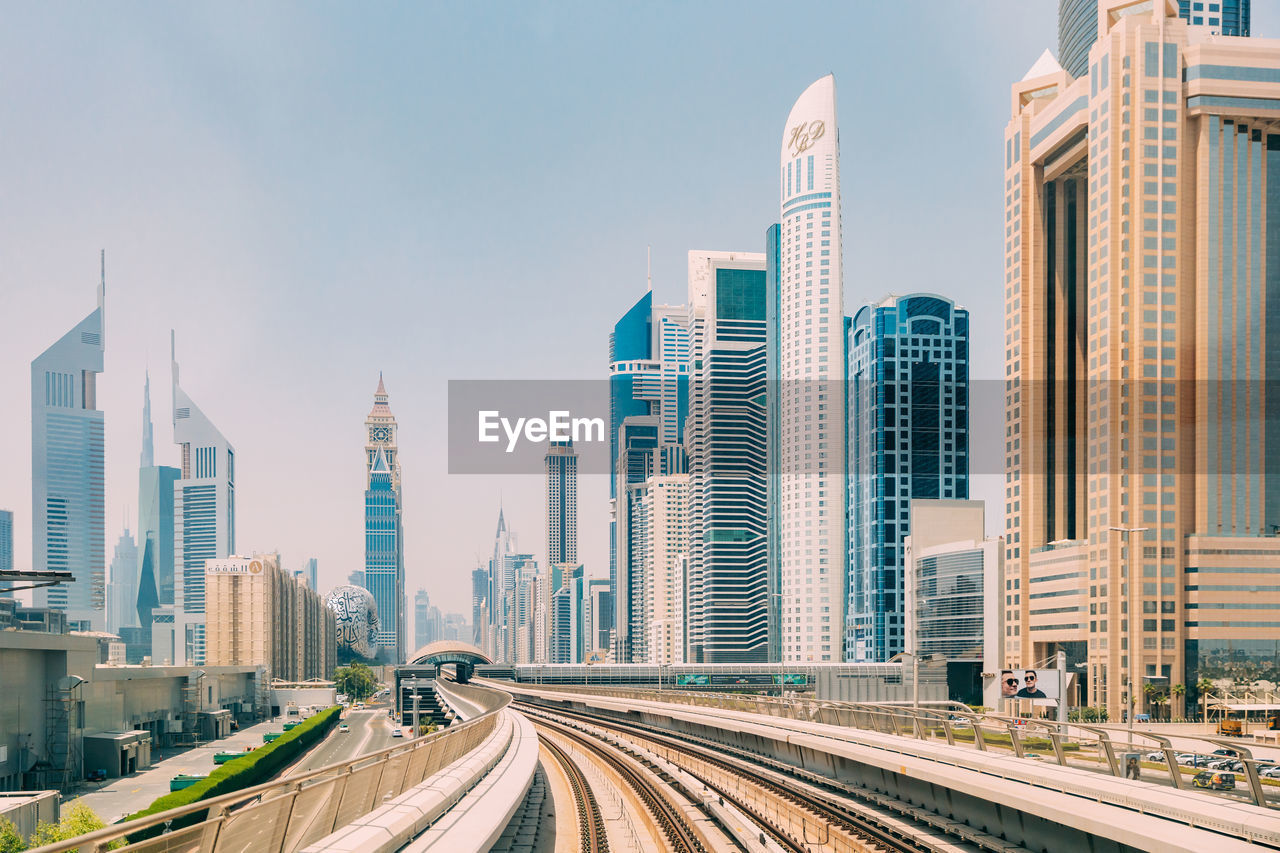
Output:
(148, 430)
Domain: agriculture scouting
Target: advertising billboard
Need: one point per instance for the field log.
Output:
(1037, 686)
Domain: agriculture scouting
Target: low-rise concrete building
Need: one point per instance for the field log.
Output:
(74, 714)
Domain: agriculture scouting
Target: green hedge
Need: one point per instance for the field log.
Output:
(244, 772)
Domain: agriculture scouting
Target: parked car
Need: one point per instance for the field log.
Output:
(1187, 759)
(1214, 780)
(1142, 718)
(1228, 752)
(1156, 756)
(1272, 772)
(97, 775)
(397, 733)
(343, 729)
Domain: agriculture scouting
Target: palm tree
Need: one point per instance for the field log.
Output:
(1203, 686)
(1178, 692)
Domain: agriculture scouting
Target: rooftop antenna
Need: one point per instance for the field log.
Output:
(648, 260)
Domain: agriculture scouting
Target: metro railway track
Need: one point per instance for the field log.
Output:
(590, 821)
(848, 820)
(669, 819)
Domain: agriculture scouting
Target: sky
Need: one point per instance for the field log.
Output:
(311, 193)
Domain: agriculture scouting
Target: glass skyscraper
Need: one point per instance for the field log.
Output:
(1078, 25)
(727, 586)
(384, 527)
(155, 522)
(68, 525)
(204, 516)
(908, 439)
(6, 542)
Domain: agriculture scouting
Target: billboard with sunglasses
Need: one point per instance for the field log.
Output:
(1038, 686)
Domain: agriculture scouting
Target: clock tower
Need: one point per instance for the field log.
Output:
(384, 528)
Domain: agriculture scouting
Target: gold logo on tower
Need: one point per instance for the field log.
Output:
(255, 567)
(804, 135)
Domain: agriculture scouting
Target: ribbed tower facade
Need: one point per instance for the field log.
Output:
(384, 526)
(204, 516)
(68, 527)
(809, 450)
(562, 504)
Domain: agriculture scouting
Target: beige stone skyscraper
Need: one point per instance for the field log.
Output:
(1142, 290)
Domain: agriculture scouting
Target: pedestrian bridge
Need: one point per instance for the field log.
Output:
(464, 657)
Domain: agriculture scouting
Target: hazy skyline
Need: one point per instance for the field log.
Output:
(313, 193)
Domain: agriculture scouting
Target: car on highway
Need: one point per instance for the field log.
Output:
(1214, 780)
(343, 729)
(397, 733)
(1034, 756)
(1272, 772)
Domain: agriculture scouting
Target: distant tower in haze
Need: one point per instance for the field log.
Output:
(155, 522)
(383, 526)
(204, 511)
(68, 525)
(122, 611)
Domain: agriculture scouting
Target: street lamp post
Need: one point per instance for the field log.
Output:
(1133, 652)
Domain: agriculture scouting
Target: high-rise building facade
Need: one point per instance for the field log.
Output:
(122, 591)
(666, 501)
(155, 522)
(68, 524)
(1078, 25)
(421, 618)
(384, 525)
(1141, 259)
(479, 607)
(562, 503)
(312, 573)
(648, 379)
(204, 515)
(6, 541)
(908, 421)
(260, 615)
(809, 451)
(728, 590)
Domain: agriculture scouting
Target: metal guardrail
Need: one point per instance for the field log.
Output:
(286, 815)
(956, 725)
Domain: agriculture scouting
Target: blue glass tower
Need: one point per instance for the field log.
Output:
(383, 528)
(908, 439)
(67, 471)
(648, 378)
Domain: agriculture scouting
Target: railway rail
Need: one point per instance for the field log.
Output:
(591, 832)
(869, 823)
(670, 821)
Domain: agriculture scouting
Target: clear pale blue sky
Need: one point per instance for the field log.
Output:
(311, 193)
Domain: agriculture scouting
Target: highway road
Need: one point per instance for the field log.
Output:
(370, 731)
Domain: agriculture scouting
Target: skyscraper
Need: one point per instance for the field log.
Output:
(1078, 25)
(479, 607)
(648, 377)
(908, 419)
(204, 511)
(312, 573)
(562, 504)
(727, 562)
(810, 453)
(155, 522)
(68, 525)
(421, 618)
(122, 592)
(1142, 264)
(384, 526)
(6, 541)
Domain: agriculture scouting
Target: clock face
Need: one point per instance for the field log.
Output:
(379, 433)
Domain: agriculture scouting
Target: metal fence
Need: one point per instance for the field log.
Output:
(1087, 745)
(288, 814)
